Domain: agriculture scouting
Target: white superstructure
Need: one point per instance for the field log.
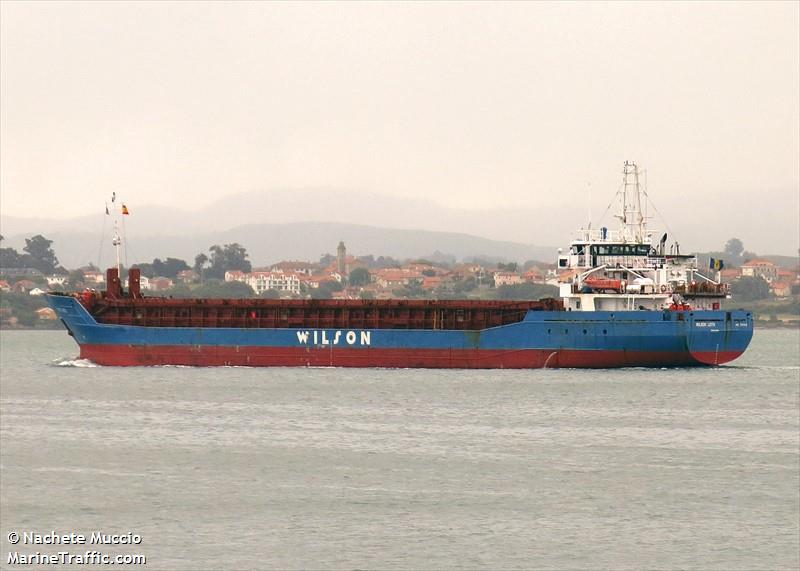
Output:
(627, 270)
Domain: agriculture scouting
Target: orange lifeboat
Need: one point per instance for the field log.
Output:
(604, 284)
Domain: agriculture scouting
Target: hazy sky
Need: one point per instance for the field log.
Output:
(471, 105)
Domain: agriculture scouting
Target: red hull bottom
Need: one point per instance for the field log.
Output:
(216, 356)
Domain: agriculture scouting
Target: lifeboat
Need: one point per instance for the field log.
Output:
(604, 284)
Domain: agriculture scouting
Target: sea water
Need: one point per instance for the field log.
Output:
(290, 468)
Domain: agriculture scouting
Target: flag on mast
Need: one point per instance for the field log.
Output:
(125, 209)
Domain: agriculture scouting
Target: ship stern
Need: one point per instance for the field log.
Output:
(719, 337)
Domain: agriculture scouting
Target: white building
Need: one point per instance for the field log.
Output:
(507, 278)
(93, 277)
(763, 269)
(56, 280)
(262, 281)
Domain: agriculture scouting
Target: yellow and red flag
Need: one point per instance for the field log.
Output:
(125, 209)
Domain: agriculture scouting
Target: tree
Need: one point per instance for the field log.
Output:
(750, 289)
(217, 261)
(227, 258)
(734, 247)
(326, 260)
(461, 287)
(9, 257)
(387, 262)
(369, 260)
(270, 294)
(358, 277)
(23, 307)
(170, 267)
(147, 270)
(40, 255)
(200, 262)
(325, 289)
(217, 289)
(734, 252)
(510, 267)
(411, 291)
(747, 255)
(181, 291)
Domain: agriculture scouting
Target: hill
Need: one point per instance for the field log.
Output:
(267, 243)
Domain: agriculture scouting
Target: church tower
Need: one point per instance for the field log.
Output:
(341, 260)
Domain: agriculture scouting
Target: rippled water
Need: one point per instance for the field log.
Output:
(407, 469)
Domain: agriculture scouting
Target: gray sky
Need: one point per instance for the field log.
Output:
(471, 105)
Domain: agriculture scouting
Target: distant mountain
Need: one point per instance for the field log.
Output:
(267, 243)
(507, 231)
(285, 206)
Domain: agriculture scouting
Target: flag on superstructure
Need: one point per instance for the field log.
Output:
(125, 209)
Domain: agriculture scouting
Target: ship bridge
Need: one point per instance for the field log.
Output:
(627, 269)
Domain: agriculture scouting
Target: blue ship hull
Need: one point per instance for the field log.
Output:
(541, 339)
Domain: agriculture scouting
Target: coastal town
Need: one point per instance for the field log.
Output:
(770, 289)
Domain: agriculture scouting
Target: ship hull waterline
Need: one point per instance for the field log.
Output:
(120, 355)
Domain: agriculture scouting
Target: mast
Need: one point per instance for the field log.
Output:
(631, 216)
(116, 241)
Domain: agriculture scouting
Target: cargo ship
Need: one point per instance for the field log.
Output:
(625, 302)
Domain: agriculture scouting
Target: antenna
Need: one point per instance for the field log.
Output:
(589, 202)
